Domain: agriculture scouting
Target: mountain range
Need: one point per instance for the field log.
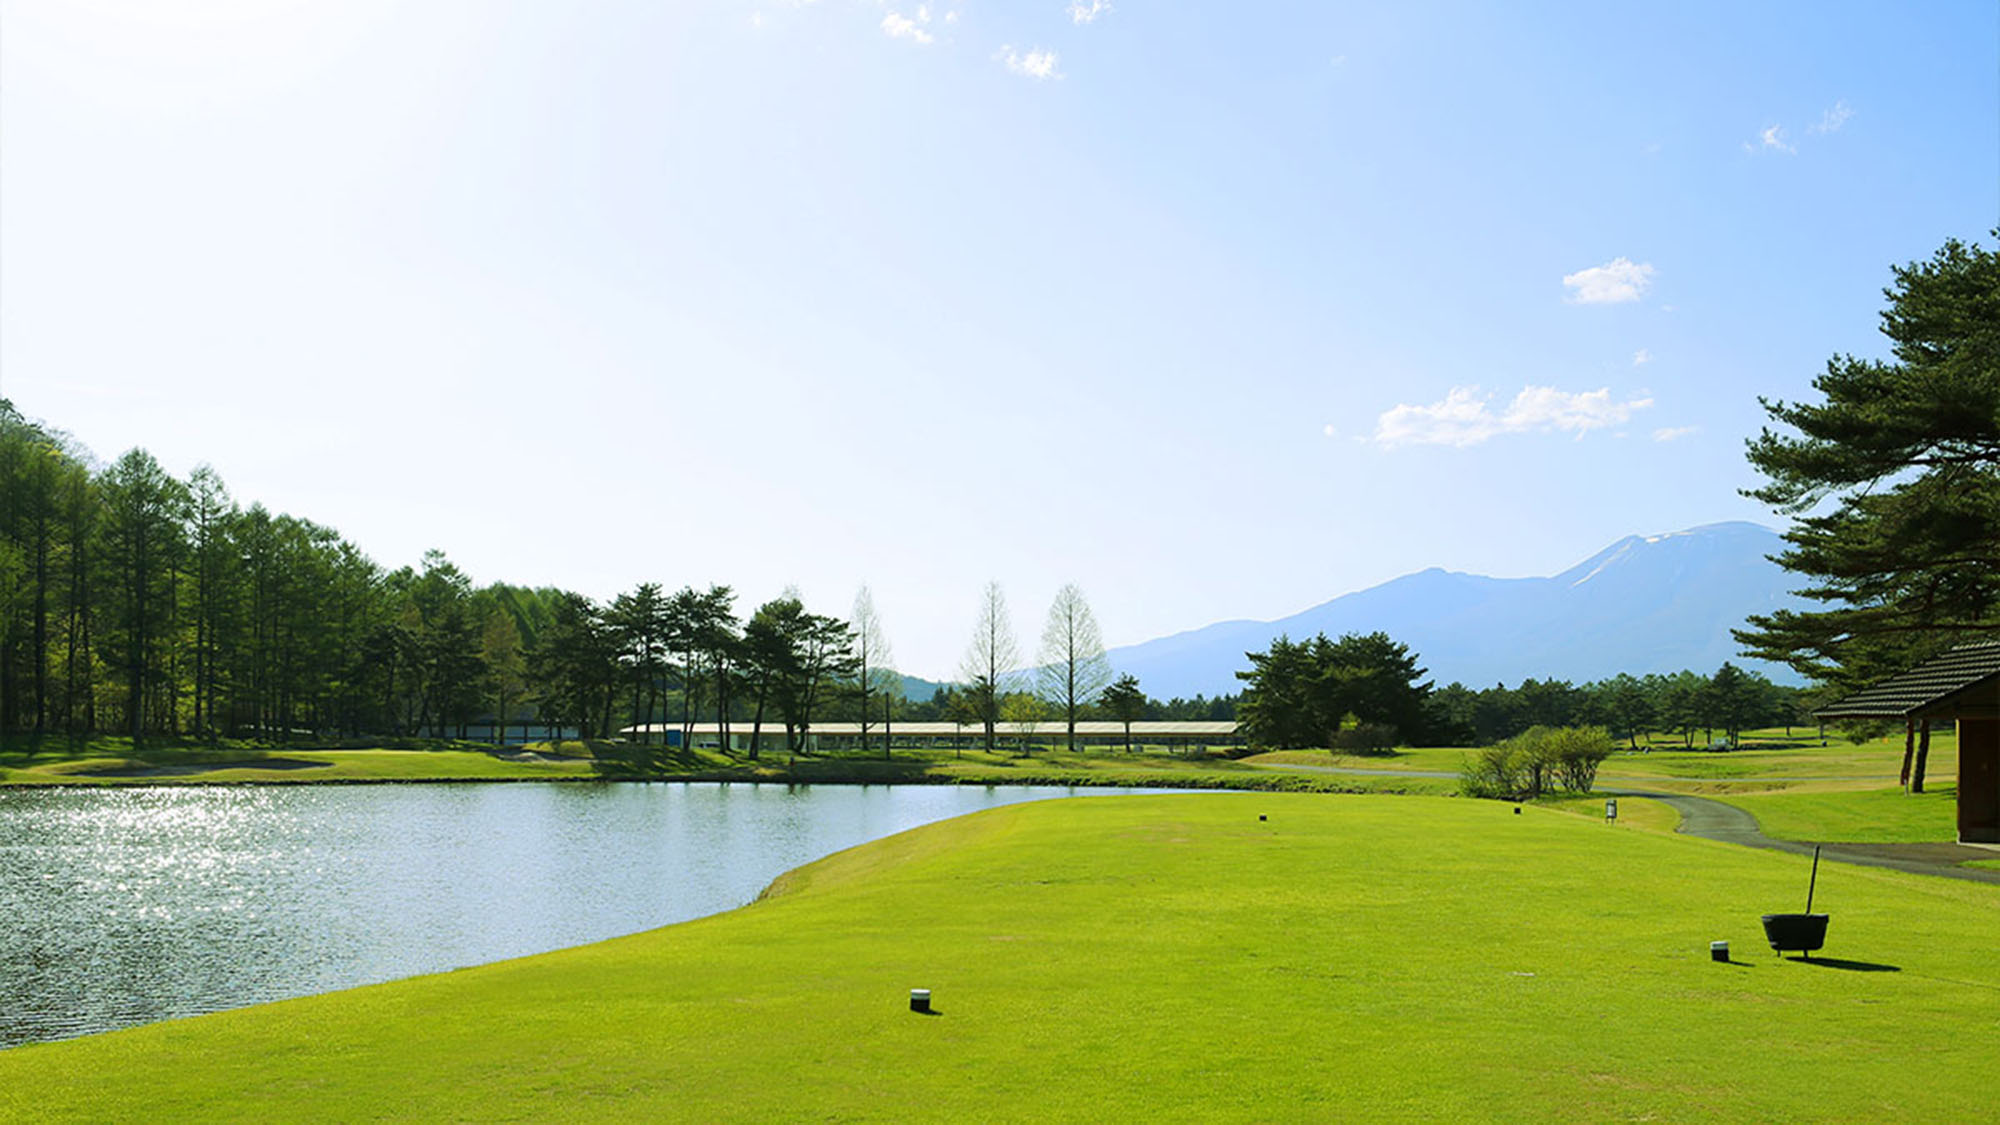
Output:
(1653, 603)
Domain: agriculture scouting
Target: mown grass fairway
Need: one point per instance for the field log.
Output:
(1160, 956)
(1857, 816)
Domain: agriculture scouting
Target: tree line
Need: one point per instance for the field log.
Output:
(1365, 691)
(134, 602)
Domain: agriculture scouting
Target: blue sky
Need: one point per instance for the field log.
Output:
(1217, 310)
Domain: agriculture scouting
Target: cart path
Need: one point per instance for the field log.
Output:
(1714, 820)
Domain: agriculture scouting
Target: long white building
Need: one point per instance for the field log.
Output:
(1178, 734)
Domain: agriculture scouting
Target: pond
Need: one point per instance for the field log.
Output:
(124, 906)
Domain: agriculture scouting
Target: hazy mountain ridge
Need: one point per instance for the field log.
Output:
(1656, 603)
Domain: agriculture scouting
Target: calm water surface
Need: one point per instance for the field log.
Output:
(123, 906)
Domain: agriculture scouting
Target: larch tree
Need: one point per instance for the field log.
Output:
(212, 549)
(874, 665)
(506, 678)
(1072, 670)
(142, 543)
(990, 659)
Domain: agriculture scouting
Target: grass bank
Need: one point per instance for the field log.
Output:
(1800, 792)
(110, 761)
(1163, 956)
(1766, 754)
(1855, 816)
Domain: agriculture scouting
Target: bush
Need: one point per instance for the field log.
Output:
(1579, 751)
(1535, 762)
(1493, 772)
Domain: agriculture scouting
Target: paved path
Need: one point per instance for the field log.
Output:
(1715, 820)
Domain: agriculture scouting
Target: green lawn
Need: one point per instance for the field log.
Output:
(1876, 759)
(1167, 957)
(1803, 809)
(1857, 816)
(295, 766)
(1633, 812)
(110, 761)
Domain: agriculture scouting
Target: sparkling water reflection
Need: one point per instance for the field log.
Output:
(123, 906)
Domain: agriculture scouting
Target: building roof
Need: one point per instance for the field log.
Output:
(1961, 683)
(967, 730)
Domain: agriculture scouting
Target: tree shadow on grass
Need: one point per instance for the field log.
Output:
(1849, 966)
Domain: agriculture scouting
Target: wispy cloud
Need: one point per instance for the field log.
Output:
(1641, 358)
(1087, 11)
(1832, 119)
(1034, 63)
(1670, 433)
(898, 26)
(1466, 417)
(1773, 139)
(1616, 281)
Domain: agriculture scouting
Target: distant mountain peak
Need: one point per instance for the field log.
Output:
(1645, 603)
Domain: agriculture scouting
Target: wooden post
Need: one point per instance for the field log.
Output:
(1909, 750)
(1923, 756)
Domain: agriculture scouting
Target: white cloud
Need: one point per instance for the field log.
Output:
(1035, 63)
(1641, 358)
(1465, 416)
(1087, 11)
(1669, 433)
(1331, 430)
(898, 26)
(1614, 282)
(1833, 119)
(1774, 138)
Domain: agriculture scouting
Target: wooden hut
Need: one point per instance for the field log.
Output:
(1961, 686)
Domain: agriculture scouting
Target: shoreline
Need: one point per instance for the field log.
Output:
(1273, 782)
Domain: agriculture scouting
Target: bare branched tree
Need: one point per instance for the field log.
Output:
(990, 660)
(1073, 671)
(875, 669)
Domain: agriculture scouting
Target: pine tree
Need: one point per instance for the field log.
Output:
(1907, 559)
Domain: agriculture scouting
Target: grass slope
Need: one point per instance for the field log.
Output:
(1164, 956)
(1773, 758)
(295, 766)
(107, 761)
(1856, 816)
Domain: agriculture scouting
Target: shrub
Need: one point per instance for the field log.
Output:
(1536, 761)
(1579, 751)
(1493, 772)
